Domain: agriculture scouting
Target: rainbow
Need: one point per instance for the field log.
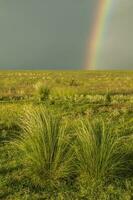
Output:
(95, 40)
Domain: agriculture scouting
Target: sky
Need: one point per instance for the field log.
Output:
(53, 34)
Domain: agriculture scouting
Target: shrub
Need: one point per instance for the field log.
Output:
(46, 144)
(100, 151)
(74, 82)
(108, 98)
(42, 91)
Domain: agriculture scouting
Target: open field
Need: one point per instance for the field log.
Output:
(66, 135)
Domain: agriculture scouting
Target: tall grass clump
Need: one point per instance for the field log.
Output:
(47, 147)
(42, 91)
(100, 151)
(108, 97)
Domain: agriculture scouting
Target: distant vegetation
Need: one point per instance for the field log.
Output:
(66, 135)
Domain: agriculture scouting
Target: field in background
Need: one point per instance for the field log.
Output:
(21, 83)
(74, 95)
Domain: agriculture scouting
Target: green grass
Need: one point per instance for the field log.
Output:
(47, 147)
(21, 83)
(71, 138)
(101, 151)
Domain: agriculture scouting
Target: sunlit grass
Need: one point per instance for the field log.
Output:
(47, 147)
(101, 150)
(80, 146)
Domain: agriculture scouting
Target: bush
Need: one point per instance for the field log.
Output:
(108, 98)
(42, 91)
(73, 82)
(46, 144)
(94, 153)
(100, 151)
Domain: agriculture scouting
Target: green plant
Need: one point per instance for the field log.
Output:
(42, 91)
(100, 150)
(46, 144)
(73, 82)
(108, 97)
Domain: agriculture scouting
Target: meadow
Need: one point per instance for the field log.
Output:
(66, 135)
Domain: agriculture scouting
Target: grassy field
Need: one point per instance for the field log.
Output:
(66, 135)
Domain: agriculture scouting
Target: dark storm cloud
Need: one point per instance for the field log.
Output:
(117, 48)
(44, 33)
(53, 34)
